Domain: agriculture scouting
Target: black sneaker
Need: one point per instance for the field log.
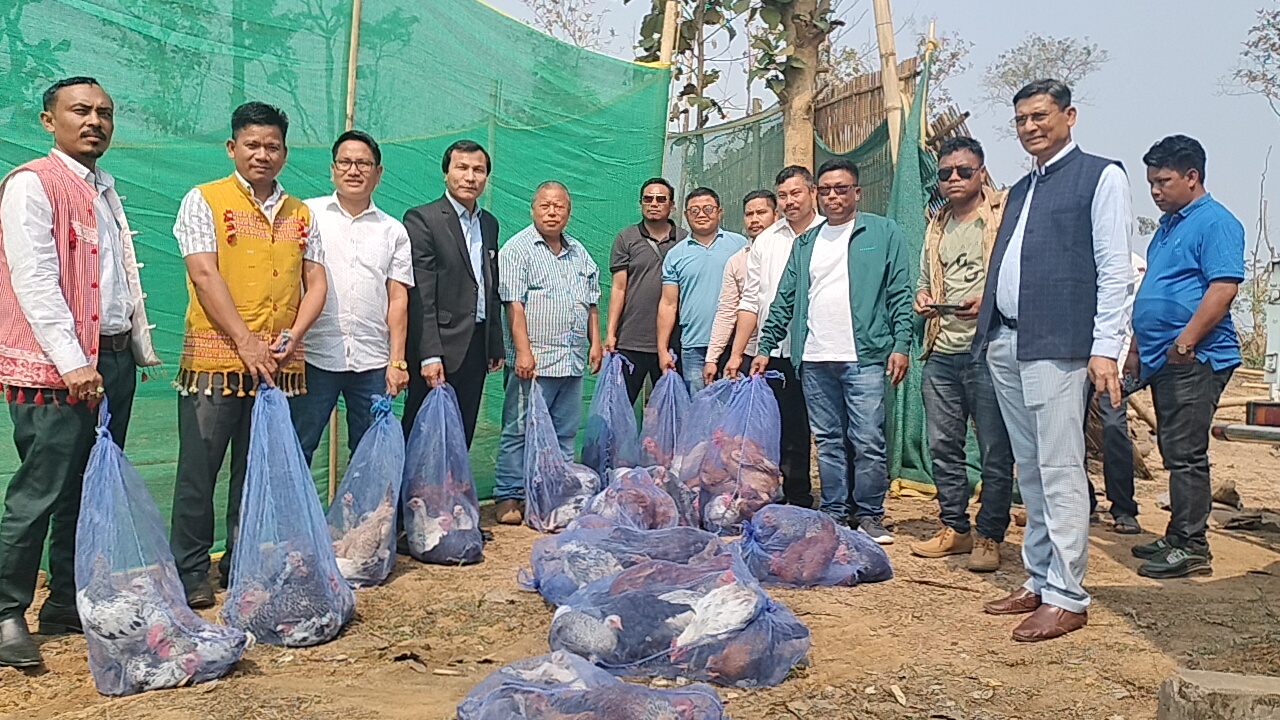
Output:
(874, 527)
(1176, 562)
(201, 596)
(1152, 549)
(59, 620)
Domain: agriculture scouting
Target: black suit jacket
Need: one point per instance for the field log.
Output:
(442, 304)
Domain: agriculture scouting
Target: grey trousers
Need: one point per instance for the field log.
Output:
(1040, 402)
(207, 424)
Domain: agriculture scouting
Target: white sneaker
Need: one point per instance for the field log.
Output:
(874, 527)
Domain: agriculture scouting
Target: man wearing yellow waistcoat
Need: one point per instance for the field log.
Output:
(257, 283)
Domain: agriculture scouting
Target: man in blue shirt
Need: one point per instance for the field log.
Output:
(1184, 344)
(691, 277)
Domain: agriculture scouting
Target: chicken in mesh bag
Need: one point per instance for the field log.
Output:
(441, 512)
(555, 489)
(738, 469)
(799, 547)
(362, 519)
(285, 588)
(610, 438)
(679, 474)
(663, 418)
(140, 632)
(634, 499)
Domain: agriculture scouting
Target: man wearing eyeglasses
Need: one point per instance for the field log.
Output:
(636, 265)
(845, 301)
(1054, 317)
(691, 277)
(956, 386)
(356, 347)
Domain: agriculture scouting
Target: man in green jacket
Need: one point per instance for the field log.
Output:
(845, 296)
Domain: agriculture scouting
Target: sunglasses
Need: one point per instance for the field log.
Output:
(964, 171)
(654, 199)
(840, 190)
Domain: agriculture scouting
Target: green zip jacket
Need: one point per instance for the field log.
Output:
(880, 293)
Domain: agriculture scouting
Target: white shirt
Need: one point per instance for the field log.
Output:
(362, 253)
(1112, 214)
(830, 315)
(195, 231)
(30, 250)
(1139, 272)
(765, 263)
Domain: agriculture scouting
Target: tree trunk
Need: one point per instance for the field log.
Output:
(801, 82)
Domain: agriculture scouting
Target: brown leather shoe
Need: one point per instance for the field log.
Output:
(946, 542)
(509, 512)
(1021, 601)
(1049, 622)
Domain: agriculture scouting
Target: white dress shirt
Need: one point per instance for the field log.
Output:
(362, 253)
(32, 254)
(830, 312)
(195, 232)
(765, 263)
(1112, 214)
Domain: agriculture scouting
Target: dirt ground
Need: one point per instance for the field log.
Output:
(915, 647)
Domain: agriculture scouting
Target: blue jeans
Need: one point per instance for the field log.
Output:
(958, 388)
(846, 400)
(564, 401)
(691, 361)
(311, 410)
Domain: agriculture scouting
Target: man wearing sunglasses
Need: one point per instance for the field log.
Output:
(691, 279)
(636, 265)
(956, 386)
(845, 300)
(1054, 318)
(357, 346)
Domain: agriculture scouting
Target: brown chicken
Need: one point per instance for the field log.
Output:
(806, 559)
(667, 574)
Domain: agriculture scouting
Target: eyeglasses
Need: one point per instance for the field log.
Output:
(840, 190)
(1039, 118)
(652, 199)
(345, 165)
(964, 171)
(707, 211)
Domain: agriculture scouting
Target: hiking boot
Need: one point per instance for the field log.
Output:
(874, 527)
(17, 649)
(985, 556)
(1150, 550)
(59, 620)
(509, 512)
(1176, 562)
(946, 542)
(201, 596)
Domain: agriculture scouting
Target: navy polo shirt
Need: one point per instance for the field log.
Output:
(1201, 243)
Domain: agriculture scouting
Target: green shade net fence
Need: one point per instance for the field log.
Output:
(429, 72)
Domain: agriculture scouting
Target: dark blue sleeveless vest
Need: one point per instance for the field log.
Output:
(1058, 289)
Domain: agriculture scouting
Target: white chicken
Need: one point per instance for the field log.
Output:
(425, 531)
(723, 610)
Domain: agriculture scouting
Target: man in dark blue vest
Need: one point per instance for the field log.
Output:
(1055, 313)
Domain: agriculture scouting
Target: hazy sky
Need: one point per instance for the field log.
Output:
(1168, 61)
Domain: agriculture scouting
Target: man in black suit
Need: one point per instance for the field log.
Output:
(455, 317)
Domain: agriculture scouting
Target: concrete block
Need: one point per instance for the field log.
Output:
(1201, 695)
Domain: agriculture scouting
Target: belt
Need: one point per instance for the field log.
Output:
(1011, 323)
(114, 343)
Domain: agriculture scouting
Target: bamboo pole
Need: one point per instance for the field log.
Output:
(353, 55)
(892, 88)
(669, 24)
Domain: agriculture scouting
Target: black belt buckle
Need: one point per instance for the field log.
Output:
(1010, 323)
(114, 343)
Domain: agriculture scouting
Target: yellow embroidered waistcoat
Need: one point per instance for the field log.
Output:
(260, 260)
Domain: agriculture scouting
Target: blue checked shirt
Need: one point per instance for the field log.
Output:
(557, 293)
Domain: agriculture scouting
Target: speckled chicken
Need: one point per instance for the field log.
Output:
(366, 543)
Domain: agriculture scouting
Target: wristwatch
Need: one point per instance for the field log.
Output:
(399, 364)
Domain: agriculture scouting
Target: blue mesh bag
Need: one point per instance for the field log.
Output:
(285, 585)
(561, 685)
(440, 510)
(555, 490)
(362, 519)
(663, 418)
(681, 479)
(610, 437)
(799, 547)
(738, 472)
(140, 632)
(564, 563)
(707, 620)
(633, 499)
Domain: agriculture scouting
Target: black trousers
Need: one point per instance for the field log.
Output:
(1185, 398)
(43, 498)
(207, 424)
(467, 382)
(646, 366)
(1117, 457)
(797, 486)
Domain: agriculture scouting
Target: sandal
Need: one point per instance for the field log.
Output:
(1126, 525)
